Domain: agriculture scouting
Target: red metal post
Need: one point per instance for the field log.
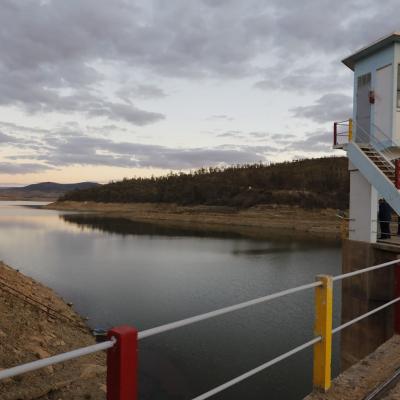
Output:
(397, 294)
(122, 360)
(335, 133)
(397, 173)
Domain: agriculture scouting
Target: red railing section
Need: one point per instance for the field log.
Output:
(122, 364)
(342, 129)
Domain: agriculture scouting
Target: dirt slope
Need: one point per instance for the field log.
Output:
(28, 333)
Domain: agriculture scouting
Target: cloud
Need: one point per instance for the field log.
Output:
(314, 142)
(22, 168)
(51, 46)
(232, 135)
(5, 139)
(124, 112)
(220, 117)
(103, 60)
(144, 91)
(13, 127)
(305, 78)
(67, 147)
(328, 108)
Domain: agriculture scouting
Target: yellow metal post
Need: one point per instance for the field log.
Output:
(350, 130)
(323, 328)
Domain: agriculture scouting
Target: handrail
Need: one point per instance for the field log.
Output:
(131, 336)
(346, 133)
(378, 146)
(362, 271)
(188, 321)
(46, 362)
(384, 134)
(260, 368)
(367, 314)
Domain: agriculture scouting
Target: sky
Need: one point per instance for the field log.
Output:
(100, 90)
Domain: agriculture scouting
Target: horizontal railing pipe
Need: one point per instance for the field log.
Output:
(256, 370)
(364, 270)
(222, 311)
(34, 365)
(361, 317)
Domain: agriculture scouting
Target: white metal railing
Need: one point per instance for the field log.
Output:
(383, 145)
(367, 314)
(258, 369)
(364, 270)
(225, 310)
(46, 362)
(114, 342)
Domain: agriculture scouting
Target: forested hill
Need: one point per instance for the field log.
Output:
(310, 183)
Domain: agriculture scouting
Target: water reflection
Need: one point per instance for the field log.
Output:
(124, 227)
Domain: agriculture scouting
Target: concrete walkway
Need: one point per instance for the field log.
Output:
(363, 377)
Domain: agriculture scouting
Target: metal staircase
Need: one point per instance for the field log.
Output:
(387, 168)
(376, 156)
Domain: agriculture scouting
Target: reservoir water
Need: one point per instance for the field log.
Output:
(119, 272)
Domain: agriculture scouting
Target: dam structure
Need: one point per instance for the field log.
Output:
(371, 139)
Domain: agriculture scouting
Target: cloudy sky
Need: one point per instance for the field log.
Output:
(106, 89)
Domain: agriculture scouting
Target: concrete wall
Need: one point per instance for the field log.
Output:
(363, 208)
(363, 293)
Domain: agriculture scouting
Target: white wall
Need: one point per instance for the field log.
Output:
(396, 117)
(363, 208)
(371, 64)
(384, 102)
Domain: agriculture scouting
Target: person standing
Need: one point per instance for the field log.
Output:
(384, 217)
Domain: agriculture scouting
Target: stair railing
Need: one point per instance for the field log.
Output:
(382, 147)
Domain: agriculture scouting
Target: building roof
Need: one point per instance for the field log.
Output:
(370, 49)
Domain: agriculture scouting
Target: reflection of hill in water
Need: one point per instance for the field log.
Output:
(280, 241)
(124, 226)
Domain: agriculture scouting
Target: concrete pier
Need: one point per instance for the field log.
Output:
(363, 293)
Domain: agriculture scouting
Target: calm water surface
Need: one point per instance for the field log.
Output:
(120, 272)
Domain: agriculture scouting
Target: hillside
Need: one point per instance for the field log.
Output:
(58, 187)
(42, 191)
(309, 183)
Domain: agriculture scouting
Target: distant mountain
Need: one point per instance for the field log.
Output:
(58, 187)
(43, 191)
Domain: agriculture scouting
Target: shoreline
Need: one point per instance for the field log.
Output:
(28, 332)
(259, 221)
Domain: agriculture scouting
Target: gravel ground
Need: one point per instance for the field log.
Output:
(363, 377)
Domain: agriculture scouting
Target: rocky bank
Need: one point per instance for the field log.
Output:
(30, 331)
